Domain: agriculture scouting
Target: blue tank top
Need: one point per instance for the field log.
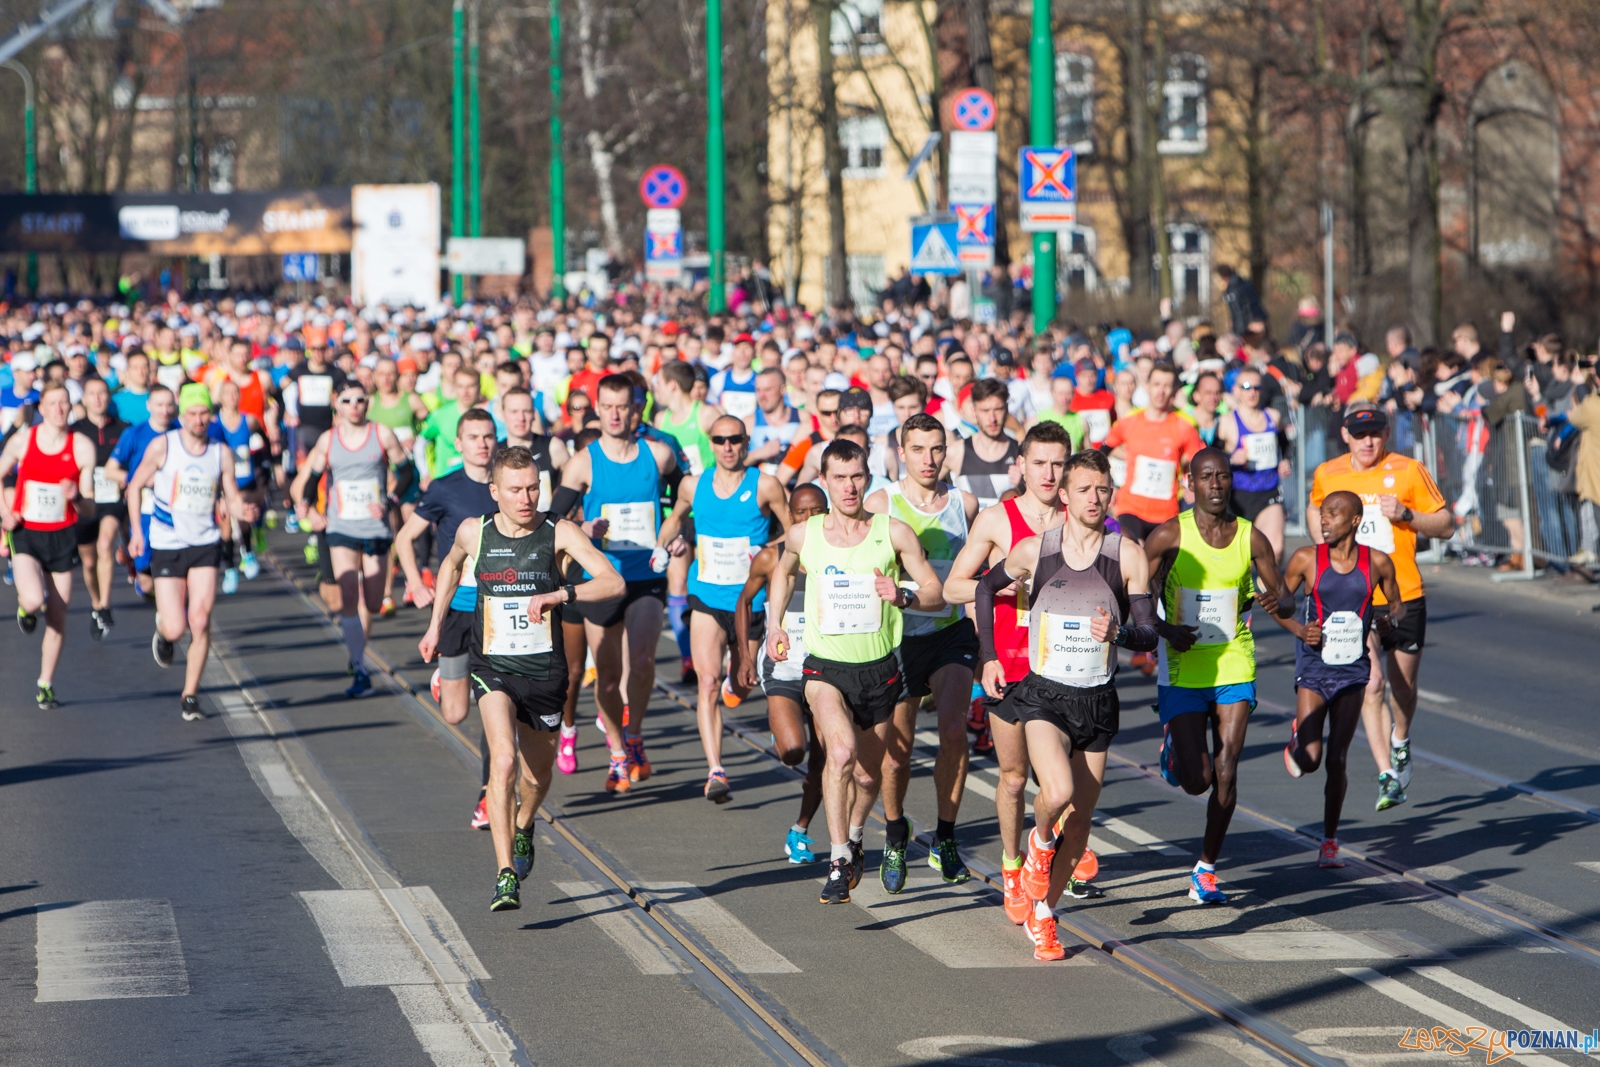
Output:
(1257, 475)
(629, 496)
(1342, 603)
(728, 533)
(238, 444)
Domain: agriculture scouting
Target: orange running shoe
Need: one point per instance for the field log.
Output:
(1145, 662)
(1036, 868)
(1042, 932)
(1087, 867)
(638, 763)
(1016, 900)
(618, 777)
(730, 699)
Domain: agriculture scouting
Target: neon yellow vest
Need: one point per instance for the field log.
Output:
(834, 583)
(1209, 588)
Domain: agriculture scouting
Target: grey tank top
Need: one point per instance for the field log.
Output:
(1061, 647)
(357, 480)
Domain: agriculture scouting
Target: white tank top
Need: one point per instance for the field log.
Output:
(186, 489)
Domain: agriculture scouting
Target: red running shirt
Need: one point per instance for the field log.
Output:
(40, 499)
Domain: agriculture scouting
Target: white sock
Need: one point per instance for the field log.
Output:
(857, 833)
(839, 852)
(1041, 910)
(1207, 868)
(355, 639)
(797, 828)
(1042, 841)
(45, 683)
(569, 731)
(1398, 742)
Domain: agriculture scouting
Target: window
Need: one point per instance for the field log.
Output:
(1075, 260)
(1075, 102)
(860, 21)
(1191, 267)
(1183, 107)
(863, 139)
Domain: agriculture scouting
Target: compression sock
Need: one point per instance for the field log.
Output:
(355, 639)
(899, 832)
(945, 830)
(839, 852)
(676, 607)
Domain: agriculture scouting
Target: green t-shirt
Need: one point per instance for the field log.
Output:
(440, 431)
(1072, 421)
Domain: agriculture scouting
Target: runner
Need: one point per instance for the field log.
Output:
(97, 531)
(1039, 508)
(939, 653)
(788, 717)
(688, 421)
(1254, 443)
(125, 459)
(619, 479)
(774, 425)
(55, 479)
(244, 437)
(1156, 443)
(358, 456)
(982, 463)
(733, 508)
(1201, 562)
(518, 664)
(391, 406)
(1088, 587)
(459, 496)
(1399, 502)
(734, 389)
(184, 469)
(1331, 660)
(852, 628)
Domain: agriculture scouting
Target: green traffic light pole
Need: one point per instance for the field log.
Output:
(457, 134)
(558, 170)
(475, 142)
(30, 162)
(1042, 131)
(717, 299)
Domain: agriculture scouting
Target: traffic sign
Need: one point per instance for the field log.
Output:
(1047, 181)
(933, 245)
(972, 110)
(972, 167)
(974, 235)
(301, 267)
(663, 245)
(486, 255)
(663, 186)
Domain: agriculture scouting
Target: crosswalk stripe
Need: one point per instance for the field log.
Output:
(1589, 865)
(1122, 828)
(362, 939)
(279, 780)
(612, 913)
(737, 943)
(1433, 1009)
(1525, 1015)
(109, 950)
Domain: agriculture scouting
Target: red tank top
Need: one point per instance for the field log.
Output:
(39, 477)
(253, 398)
(1011, 639)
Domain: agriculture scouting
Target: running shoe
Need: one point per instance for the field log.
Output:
(362, 683)
(292, 523)
(858, 863)
(46, 698)
(1078, 889)
(1088, 866)
(433, 685)
(1329, 855)
(639, 764)
(27, 622)
(892, 869)
(1203, 888)
(271, 519)
(718, 791)
(249, 566)
(162, 650)
(1391, 793)
(190, 706)
(618, 779)
(945, 858)
(427, 577)
(507, 892)
(313, 554)
(97, 629)
(107, 622)
(730, 699)
(1169, 769)
(1036, 868)
(1291, 764)
(1400, 759)
(1016, 905)
(1144, 663)
(983, 743)
(567, 751)
(480, 814)
(798, 846)
(1042, 932)
(522, 852)
(387, 609)
(836, 887)
(690, 677)
(10, 578)
(230, 581)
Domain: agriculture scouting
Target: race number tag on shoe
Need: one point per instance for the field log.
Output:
(194, 492)
(723, 560)
(1215, 612)
(1375, 531)
(941, 567)
(1342, 639)
(849, 604)
(1261, 451)
(629, 526)
(357, 498)
(43, 503)
(1153, 478)
(1067, 652)
(106, 491)
(794, 624)
(507, 630)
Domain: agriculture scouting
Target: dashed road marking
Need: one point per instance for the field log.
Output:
(1422, 1003)
(279, 780)
(109, 950)
(613, 914)
(1523, 1014)
(737, 943)
(363, 940)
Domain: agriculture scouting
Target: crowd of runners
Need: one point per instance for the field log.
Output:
(869, 520)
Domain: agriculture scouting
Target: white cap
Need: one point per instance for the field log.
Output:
(24, 362)
(422, 342)
(835, 380)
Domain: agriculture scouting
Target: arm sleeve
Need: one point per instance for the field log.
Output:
(1142, 635)
(983, 609)
(565, 500)
(405, 476)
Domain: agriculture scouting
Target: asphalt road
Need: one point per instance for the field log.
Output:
(293, 879)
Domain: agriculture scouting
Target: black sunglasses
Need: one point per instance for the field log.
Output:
(827, 411)
(736, 439)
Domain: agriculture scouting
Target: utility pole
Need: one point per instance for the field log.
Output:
(475, 145)
(30, 162)
(715, 156)
(1042, 131)
(558, 169)
(458, 226)
(194, 122)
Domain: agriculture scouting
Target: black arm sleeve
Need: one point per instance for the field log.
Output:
(1141, 636)
(308, 495)
(405, 476)
(565, 500)
(983, 608)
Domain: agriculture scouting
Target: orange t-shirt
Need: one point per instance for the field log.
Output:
(1398, 476)
(1154, 451)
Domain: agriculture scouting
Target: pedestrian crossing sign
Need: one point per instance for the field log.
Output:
(933, 245)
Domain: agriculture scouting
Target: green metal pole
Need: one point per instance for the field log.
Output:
(30, 161)
(715, 157)
(458, 226)
(1042, 131)
(558, 169)
(475, 145)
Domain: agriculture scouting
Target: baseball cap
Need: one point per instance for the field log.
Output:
(1364, 421)
(744, 339)
(1002, 356)
(24, 362)
(856, 398)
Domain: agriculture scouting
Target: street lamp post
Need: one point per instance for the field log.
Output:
(717, 299)
(30, 162)
(457, 134)
(558, 170)
(475, 144)
(1042, 129)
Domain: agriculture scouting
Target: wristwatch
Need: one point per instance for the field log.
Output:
(572, 592)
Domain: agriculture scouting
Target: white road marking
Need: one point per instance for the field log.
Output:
(1321, 1040)
(431, 910)
(363, 941)
(446, 1040)
(1437, 698)
(938, 1048)
(1523, 1014)
(1433, 1009)
(613, 914)
(109, 950)
(1125, 829)
(736, 941)
(1542, 910)
(1589, 865)
(1455, 913)
(279, 780)
(1289, 945)
(1129, 1048)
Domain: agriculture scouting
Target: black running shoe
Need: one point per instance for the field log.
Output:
(946, 859)
(26, 621)
(522, 852)
(97, 629)
(892, 868)
(162, 650)
(836, 887)
(858, 863)
(1084, 890)
(106, 621)
(507, 895)
(191, 709)
(46, 698)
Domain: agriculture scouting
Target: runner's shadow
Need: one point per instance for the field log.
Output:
(66, 768)
(1556, 779)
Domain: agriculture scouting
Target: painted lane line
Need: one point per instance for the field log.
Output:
(1529, 1017)
(279, 779)
(440, 1033)
(362, 939)
(940, 1049)
(1542, 910)
(1438, 698)
(1330, 1042)
(431, 910)
(1129, 1048)
(1433, 1009)
(109, 950)
(1125, 829)
(1589, 865)
(1469, 920)
(615, 916)
(737, 943)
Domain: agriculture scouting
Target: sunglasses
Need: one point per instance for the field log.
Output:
(827, 411)
(1246, 387)
(1364, 434)
(352, 400)
(736, 439)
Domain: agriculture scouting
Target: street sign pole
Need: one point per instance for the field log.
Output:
(30, 162)
(475, 145)
(457, 133)
(1042, 128)
(717, 300)
(558, 170)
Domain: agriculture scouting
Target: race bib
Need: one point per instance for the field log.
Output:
(172, 377)
(405, 435)
(941, 567)
(1119, 470)
(507, 630)
(1154, 478)
(316, 391)
(697, 463)
(1342, 639)
(739, 405)
(723, 560)
(1375, 530)
(1260, 451)
(356, 498)
(194, 492)
(1067, 652)
(1097, 422)
(1023, 611)
(794, 624)
(1214, 611)
(241, 463)
(630, 526)
(43, 503)
(848, 604)
(106, 491)
(546, 497)
(147, 501)
(257, 442)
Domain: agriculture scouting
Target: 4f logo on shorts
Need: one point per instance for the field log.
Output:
(550, 720)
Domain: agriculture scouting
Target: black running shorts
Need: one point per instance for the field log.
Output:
(1249, 503)
(1412, 633)
(758, 620)
(1135, 528)
(178, 562)
(610, 612)
(923, 655)
(870, 690)
(455, 633)
(56, 550)
(538, 704)
(1089, 717)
